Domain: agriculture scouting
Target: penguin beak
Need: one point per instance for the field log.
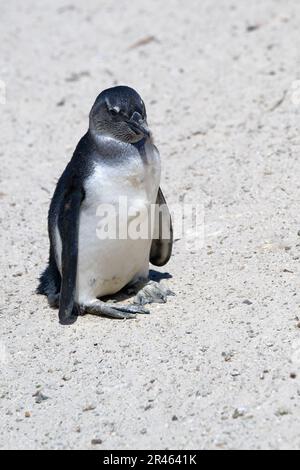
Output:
(139, 125)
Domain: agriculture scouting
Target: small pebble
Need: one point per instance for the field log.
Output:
(96, 442)
(239, 413)
(252, 28)
(235, 373)
(62, 102)
(89, 408)
(228, 356)
(148, 407)
(39, 397)
(282, 412)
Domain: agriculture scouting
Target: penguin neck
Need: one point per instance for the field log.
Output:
(100, 139)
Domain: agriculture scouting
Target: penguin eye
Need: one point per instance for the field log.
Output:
(114, 111)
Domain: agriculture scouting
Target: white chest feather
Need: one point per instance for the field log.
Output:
(105, 266)
(135, 178)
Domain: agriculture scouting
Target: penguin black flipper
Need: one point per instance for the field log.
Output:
(68, 225)
(160, 253)
(162, 244)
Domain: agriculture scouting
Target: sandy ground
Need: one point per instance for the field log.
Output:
(218, 366)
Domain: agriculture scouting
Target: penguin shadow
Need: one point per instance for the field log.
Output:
(158, 276)
(129, 292)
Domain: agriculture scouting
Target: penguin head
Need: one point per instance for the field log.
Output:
(120, 113)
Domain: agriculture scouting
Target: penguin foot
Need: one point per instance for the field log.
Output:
(112, 310)
(152, 292)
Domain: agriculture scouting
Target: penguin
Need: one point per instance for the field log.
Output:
(115, 159)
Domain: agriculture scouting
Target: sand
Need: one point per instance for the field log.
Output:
(217, 367)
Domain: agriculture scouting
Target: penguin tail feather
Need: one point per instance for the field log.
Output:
(49, 281)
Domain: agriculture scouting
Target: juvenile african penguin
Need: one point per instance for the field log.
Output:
(115, 159)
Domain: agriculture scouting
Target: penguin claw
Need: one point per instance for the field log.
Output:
(132, 309)
(121, 312)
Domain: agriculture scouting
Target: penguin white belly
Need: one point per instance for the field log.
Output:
(107, 265)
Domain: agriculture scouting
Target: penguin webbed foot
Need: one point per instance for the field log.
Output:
(152, 292)
(118, 311)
